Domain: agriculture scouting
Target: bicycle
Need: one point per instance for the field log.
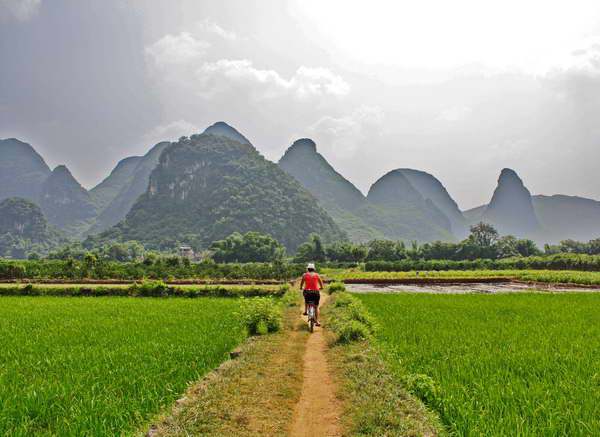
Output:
(312, 316)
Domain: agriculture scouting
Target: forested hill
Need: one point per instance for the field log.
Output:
(209, 186)
(401, 212)
(338, 196)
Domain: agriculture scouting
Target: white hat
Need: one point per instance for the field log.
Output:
(311, 266)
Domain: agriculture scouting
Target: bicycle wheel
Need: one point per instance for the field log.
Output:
(311, 325)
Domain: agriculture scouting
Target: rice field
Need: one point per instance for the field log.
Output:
(511, 364)
(104, 365)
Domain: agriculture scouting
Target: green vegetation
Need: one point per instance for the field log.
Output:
(261, 315)
(561, 261)
(548, 276)
(24, 229)
(104, 366)
(349, 320)
(524, 364)
(161, 268)
(250, 247)
(143, 289)
(207, 187)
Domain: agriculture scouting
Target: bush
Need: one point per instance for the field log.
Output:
(422, 386)
(351, 330)
(151, 288)
(290, 297)
(260, 315)
(336, 287)
(350, 320)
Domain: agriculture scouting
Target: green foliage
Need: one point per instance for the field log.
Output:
(336, 287)
(261, 315)
(160, 268)
(105, 366)
(349, 319)
(250, 247)
(207, 187)
(497, 365)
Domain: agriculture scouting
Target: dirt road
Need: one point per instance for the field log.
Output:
(318, 410)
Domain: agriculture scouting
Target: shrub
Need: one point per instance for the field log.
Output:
(336, 287)
(260, 315)
(351, 330)
(422, 386)
(151, 288)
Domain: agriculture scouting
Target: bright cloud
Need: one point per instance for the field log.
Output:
(455, 113)
(210, 26)
(345, 135)
(21, 10)
(181, 49)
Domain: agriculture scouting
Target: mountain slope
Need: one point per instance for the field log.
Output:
(220, 128)
(404, 213)
(107, 190)
(65, 203)
(209, 186)
(561, 218)
(131, 182)
(22, 170)
(431, 188)
(23, 228)
(338, 196)
(511, 209)
(567, 217)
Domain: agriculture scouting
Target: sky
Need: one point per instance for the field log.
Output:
(459, 89)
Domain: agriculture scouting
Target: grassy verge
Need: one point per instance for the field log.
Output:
(142, 289)
(375, 402)
(516, 364)
(253, 395)
(104, 366)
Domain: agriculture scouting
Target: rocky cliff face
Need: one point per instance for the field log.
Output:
(222, 129)
(22, 170)
(511, 208)
(209, 186)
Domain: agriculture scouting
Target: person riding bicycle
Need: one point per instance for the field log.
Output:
(311, 283)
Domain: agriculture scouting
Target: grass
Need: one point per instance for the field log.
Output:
(523, 364)
(548, 276)
(374, 404)
(253, 395)
(104, 366)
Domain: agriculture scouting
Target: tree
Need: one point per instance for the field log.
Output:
(250, 247)
(483, 234)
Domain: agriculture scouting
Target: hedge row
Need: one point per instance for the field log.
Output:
(146, 289)
(563, 261)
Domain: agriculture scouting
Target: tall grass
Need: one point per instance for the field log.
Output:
(104, 366)
(523, 364)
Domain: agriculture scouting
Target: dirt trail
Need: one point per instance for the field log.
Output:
(318, 410)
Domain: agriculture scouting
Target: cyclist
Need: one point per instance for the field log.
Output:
(311, 283)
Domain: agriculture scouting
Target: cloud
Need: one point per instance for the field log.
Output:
(21, 10)
(170, 132)
(209, 26)
(182, 49)
(343, 136)
(455, 113)
(264, 83)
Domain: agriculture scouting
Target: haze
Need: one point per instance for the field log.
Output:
(459, 89)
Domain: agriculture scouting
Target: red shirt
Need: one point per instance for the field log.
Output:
(311, 281)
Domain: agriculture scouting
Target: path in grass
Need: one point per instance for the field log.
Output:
(318, 411)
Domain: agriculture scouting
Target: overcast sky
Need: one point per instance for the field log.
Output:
(460, 89)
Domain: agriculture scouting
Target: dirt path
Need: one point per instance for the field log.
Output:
(318, 410)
